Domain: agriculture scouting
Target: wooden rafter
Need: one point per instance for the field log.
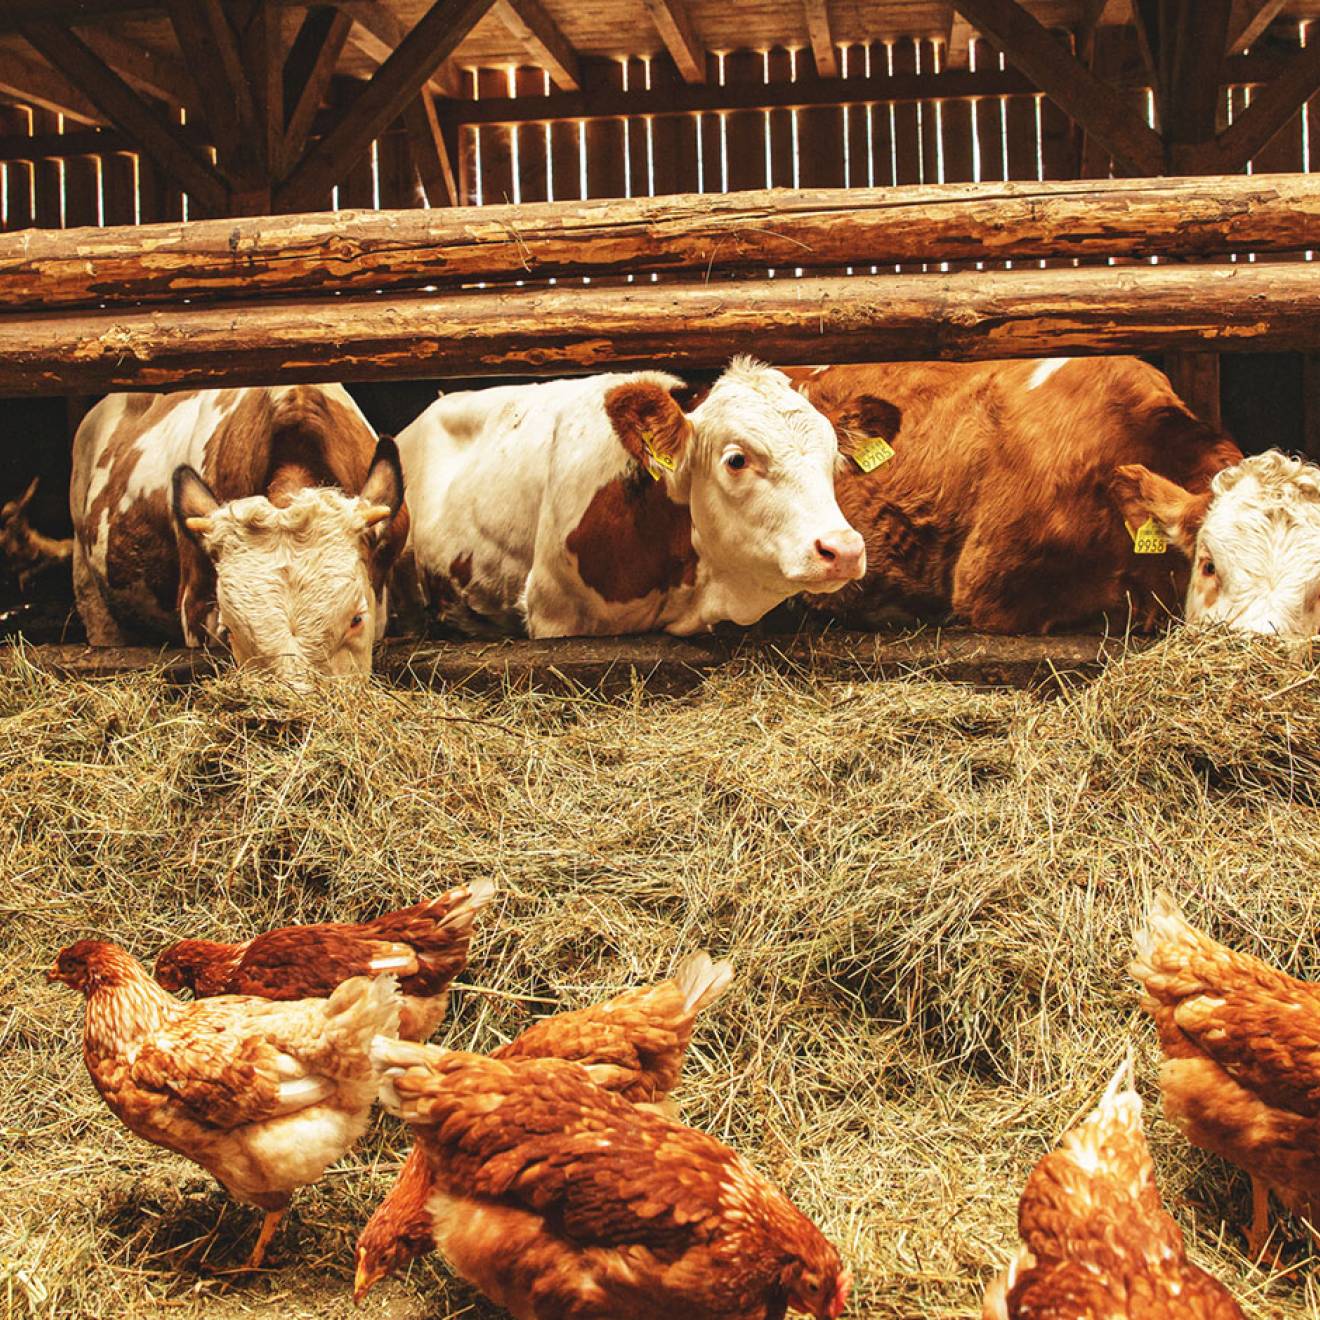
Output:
(397, 81)
(210, 46)
(1195, 59)
(822, 37)
(1273, 105)
(377, 31)
(307, 73)
(120, 104)
(1249, 21)
(958, 43)
(675, 28)
(142, 68)
(38, 84)
(1068, 83)
(538, 33)
(260, 49)
(429, 151)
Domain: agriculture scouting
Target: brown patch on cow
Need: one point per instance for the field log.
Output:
(644, 414)
(633, 540)
(996, 507)
(460, 571)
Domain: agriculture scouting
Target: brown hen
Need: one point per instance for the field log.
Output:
(1241, 1071)
(633, 1045)
(263, 1095)
(424, 946)
(561, 1201)
(1096, 1242)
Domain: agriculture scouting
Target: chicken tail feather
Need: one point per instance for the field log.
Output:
(361, 1009)
(702, 981)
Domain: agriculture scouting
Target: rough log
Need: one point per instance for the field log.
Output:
(294, 256)
(973, 314)
(663, 665)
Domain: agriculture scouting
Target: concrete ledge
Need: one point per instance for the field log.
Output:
(664, 664)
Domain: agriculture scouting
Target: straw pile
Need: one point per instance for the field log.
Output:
(928, 893)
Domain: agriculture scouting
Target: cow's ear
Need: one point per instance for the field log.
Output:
(1141, 494)
(869, 416)
(649, 423)
(383, 489)
(195, 504)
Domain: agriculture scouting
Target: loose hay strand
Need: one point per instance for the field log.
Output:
(928, 893)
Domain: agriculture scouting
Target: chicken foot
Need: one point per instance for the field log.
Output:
(268, 1228)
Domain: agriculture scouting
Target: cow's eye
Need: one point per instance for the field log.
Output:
(1208, 567)
(355, 623)
(735, 461)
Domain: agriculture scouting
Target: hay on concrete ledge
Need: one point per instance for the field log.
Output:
(928, 894)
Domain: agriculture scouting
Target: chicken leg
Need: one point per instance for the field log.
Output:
(268, 1227)
(1259, 1231)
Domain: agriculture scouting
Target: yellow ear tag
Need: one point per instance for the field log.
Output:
(875, 452)
(1147, 539)
(660, 460)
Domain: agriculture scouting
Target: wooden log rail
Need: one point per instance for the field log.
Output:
(1026, 312)
(700, 235)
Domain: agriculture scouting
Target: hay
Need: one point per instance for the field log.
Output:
(928, 894)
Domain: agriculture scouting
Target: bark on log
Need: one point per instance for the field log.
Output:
(973, 314)
(289, 256)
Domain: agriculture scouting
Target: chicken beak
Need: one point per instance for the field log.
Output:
(364, 1279)
(56, 975)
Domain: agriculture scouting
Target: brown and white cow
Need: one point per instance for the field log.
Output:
(25, 552)
(265, 519)
(1014, 489)
(596, 505)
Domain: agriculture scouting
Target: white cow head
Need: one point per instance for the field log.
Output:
(299, 587)
(754, 462)
(1253, 540)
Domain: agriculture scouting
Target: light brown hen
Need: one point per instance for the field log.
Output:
(1096, 1242)
(561, 1201)
(1241, 1071)
(263, 1095)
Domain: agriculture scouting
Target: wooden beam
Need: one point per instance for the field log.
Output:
(289, 256)
(822, 37)
(681, 41)
(1272, 106)
(377, 30)
(210, 47)
(1196, 40)
(539, 35)
(310, 65)
(958, 44)
(262, 160)
(1025, 312)
(429, 151)
(1249, 21)
(119, 103)
(395, 83)
(140, 67)
(38, 84)
(1069, 84)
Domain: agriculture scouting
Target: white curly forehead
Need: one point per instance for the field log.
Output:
(757, 402)
(1266, 490)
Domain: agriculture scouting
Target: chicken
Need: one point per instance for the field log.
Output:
(633, 1045)
(561, 1200)
(1241, 1071)
(263, 1095)
(425, 946)
(1097, 1243)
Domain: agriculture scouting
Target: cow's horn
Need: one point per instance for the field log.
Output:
(378, 513)
(202, 526)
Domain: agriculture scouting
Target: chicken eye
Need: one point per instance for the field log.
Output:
(736, 461)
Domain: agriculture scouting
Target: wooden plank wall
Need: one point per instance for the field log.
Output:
(877, 143)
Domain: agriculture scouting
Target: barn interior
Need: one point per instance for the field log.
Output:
(928, 888)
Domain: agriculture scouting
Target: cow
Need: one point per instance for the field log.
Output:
(27, 553)
(596, 505)
(1040, 496)
(264, 519)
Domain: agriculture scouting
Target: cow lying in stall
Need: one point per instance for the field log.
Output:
(26, 552)
(596, 506)
(1015, 492)
(265, 519)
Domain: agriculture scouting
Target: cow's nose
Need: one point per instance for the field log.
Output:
(843, 554)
